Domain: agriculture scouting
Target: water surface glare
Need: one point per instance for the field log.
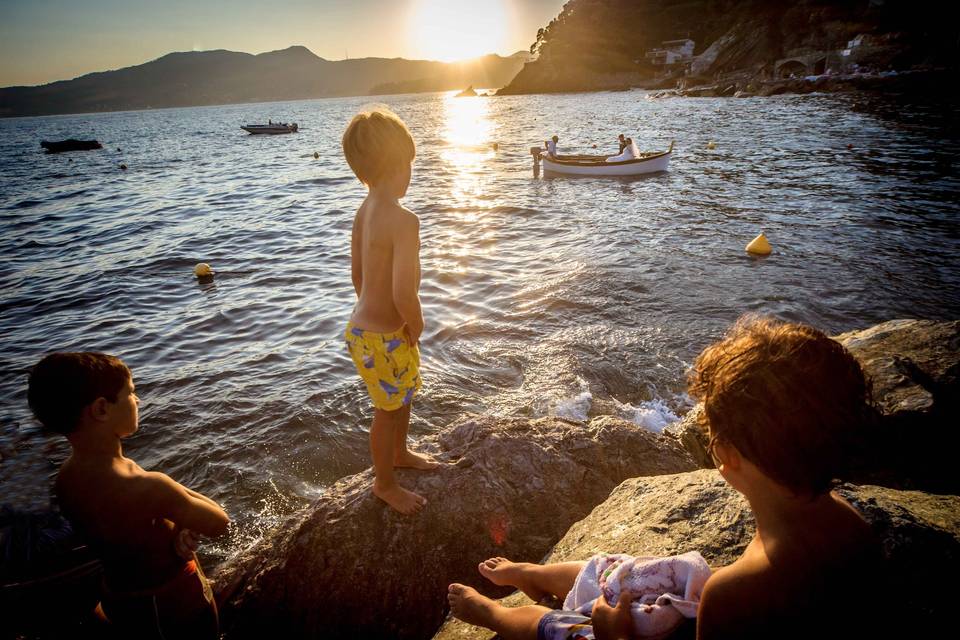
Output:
(550, 295)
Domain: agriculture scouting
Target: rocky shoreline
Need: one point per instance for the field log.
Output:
(541, 490)
(699, 48)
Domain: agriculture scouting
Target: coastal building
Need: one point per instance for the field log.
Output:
(671, 52)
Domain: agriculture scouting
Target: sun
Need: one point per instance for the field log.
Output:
(451, 30)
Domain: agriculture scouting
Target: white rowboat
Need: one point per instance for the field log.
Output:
(583, 165)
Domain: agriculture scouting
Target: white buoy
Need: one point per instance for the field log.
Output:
(759, 246)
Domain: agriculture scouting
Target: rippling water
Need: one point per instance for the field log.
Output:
(550, 295)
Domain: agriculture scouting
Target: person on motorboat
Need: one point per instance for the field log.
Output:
(623, 143)
(629, 152)
(551, 145)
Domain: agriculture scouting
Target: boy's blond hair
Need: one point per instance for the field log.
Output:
(376, 144)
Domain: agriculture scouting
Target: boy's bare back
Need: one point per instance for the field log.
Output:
(385, 250)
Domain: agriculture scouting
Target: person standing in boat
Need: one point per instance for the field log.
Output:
(551, 145)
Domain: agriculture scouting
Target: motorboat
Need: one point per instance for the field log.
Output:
(592, 165)
(272, 128)
(60, 146)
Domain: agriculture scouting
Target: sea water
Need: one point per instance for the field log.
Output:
(542, 296)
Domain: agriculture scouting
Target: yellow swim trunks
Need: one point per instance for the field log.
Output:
(387, 363)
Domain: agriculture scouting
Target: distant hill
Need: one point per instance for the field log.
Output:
(227, 77)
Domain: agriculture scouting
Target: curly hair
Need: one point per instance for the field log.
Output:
(788, 397)
(62, 384)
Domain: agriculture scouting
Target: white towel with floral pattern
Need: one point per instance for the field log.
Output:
(663, 591)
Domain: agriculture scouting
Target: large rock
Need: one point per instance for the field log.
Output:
(914, 364)
(698, 511)
(690, 433)
(915, 369)
(348, 566)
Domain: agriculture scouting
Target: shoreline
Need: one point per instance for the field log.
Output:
(741, 85)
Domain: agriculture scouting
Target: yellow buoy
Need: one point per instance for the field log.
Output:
(711, 145)
(759, 246)
(202, 270)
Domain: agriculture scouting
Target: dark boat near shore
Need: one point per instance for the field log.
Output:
(70, 145)
(271, 129)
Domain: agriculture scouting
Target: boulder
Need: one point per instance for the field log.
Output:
(672, 514)
(914, 366)
(348, 566)
(691, 435)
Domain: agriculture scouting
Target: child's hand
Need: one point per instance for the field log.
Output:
(186, 543)
(411, 339)
(612, 623)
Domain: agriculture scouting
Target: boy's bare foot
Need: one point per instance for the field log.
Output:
(413, 460)
(469, 606)
(505, 573)
(399, 499)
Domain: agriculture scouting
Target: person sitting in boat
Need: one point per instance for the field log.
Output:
(629, 152)
(623, 143)
(551, 145)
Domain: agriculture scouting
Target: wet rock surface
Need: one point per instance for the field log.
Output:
(348, 566)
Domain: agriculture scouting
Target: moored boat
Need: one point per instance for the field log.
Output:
(270, 129)
(588, 165)
(60, 146)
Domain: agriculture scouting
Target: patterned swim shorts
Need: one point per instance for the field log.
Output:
(564, 625)
(387, 363)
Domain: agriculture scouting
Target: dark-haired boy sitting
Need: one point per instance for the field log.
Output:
(142, 524)
(781, 404)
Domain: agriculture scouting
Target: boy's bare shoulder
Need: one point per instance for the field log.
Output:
(731, 597)
(402, 222)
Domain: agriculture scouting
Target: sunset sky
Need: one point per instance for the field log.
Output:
(46, 40)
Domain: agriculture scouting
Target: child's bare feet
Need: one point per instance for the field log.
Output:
(414, 461)
(503, 572)
(406, 502)
(469, 606)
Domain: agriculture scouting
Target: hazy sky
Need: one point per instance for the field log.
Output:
(46, 40)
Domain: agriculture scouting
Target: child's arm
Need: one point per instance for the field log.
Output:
(406, 274)
(356, 259)
(186, 509)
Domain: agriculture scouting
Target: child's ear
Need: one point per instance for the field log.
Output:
(728, 455)
(99, 409)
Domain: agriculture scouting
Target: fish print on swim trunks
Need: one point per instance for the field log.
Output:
(388, 365)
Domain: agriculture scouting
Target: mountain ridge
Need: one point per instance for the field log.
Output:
(220, 76)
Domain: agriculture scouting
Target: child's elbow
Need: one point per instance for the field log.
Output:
(220, 524)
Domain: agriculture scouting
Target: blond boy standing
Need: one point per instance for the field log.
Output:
(384, 330)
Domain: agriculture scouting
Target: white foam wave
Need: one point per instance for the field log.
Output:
(653, 415)
(576, 407)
